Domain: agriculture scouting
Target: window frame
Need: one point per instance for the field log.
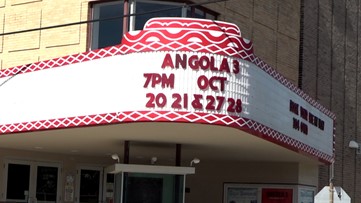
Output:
(93, 28)
(33, 164)
(93, 32)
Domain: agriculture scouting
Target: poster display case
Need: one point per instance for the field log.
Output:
(268, 193)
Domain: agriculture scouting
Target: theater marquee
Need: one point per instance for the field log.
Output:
(174, 70)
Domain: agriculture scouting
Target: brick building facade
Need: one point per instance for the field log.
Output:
(330, 73)
(314, 44)
(273, 26)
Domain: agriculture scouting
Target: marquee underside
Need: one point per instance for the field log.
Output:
(147, 139)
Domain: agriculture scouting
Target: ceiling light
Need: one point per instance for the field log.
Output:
(153, 160)
(195, 161)
(115, 157)
(354, 145)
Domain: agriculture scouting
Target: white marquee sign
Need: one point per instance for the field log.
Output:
(197, 71)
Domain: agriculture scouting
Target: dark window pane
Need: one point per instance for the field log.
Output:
(144, 190)
(143, 7)
(199, 13)
(110, 178)
(107, 32)
(190, 12)
(118, 185)
(194, 12)
(210, 16)
(46, 183)
(153, 188)
(89, 186)
(18, 181)
(178, 188)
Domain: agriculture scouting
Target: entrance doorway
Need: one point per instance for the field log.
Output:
(33, 182)
(149, 183)
(153, 188)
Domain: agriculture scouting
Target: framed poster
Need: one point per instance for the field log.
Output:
(237, 194)
(306, 195)
(69, 188)
(277, 195)
(268, 193)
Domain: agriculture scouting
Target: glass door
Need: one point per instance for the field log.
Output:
(32, 182)
(47, 184)
(90, 180)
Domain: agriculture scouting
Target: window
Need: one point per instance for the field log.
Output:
(175, 10)
(89, 186)
(108, 30)
(32, 182)
(18, 181)
(47, 183)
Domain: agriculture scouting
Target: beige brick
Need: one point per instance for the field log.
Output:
(264, 41)
(20, 42)
(20, 58)
(265, 13)
(289, 18)
(243, 7)
(66, 13)
(26, 18)
(217, 7)
(61, 36)
(84, 27)
(258, 23)
(55, 52)
(1, 31)
(18, 2)
(242, 22)
(287, 56)
(45, 44)
(2, 3)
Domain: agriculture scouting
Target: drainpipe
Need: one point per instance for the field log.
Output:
(331, 183)
(331, 192)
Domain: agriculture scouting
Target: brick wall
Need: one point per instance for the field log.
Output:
(332, 76)
(273, 26)
(27, 47)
